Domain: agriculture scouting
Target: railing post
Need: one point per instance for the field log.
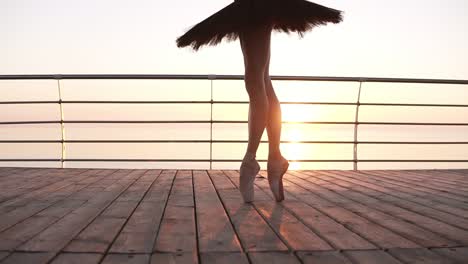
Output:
(211, 78)
(62, 124)
(356, 123)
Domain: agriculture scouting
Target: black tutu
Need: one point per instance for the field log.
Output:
(284, 15)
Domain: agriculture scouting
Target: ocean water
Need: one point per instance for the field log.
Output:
(200, 90)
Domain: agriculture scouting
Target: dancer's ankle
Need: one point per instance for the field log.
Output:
(275, 156)
(249, 156)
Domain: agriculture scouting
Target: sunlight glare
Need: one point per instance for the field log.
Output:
(298, 113)
(293, 150)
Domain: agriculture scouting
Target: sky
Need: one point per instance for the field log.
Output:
(378, 38)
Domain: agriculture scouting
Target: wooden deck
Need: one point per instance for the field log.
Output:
(168, 216)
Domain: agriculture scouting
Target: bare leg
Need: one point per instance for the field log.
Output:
(274, 117)
(255, 45)
(277, 164)
(255, 48)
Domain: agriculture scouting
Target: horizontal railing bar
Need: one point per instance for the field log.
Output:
(225, 122)
(415, 105)
(223, 77)
(29, 102)
(166, 102)
(29, 122)
(35, 160)
(227, 102)
(219, 160)
(242, 141)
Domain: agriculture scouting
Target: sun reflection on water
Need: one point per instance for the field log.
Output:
(293, 150)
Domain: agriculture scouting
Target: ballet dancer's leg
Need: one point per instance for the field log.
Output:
(274, 116)
(254, 44)
(277, 164)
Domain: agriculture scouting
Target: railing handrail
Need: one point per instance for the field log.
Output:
(223, 77)
(211, 77)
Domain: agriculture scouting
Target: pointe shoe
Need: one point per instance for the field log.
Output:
(275, 177)
(248, 170)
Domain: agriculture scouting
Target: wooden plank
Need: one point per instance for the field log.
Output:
(362, 205)
(327, 257)
(150, 175)
(333, 232)
(418, 256)
(77, 258)
(24, 231)
(458, 255)
(371, 257)
(435, 201)
(16, 190)
(7, 170)
(379, 235)
(293, 231)
(177, 232)
(135, 192)
(215, 231)
(25, 185)
(362, 226)
(273, 258)
(120, 209)
(400, 210)
(457, 175)
(26, 195)
(61, 208)
(3, 255)
(174, 258)
(444, 179)
(223, 258)
(159, 192)
(139, 233)
(22, 213)
(411, 231)
(448, 177)
(440, 200)
(390, 197)
(58, 235)
(421, 184)
(97, 236)
(297, 235)
(178, 228)
(254, 233)
(23, 178)
(126, 259)
(26, 258)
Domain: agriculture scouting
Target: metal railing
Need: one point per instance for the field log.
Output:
(63, 141)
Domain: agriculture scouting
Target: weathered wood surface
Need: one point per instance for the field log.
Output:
(184, 216)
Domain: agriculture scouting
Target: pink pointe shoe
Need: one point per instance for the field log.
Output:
(248, 170)
(276, 171)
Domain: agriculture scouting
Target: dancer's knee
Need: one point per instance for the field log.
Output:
(255, 86)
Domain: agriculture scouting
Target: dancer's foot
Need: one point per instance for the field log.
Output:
(277, 167)
(248, 170)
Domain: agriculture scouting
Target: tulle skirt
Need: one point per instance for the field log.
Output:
(282, 15)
